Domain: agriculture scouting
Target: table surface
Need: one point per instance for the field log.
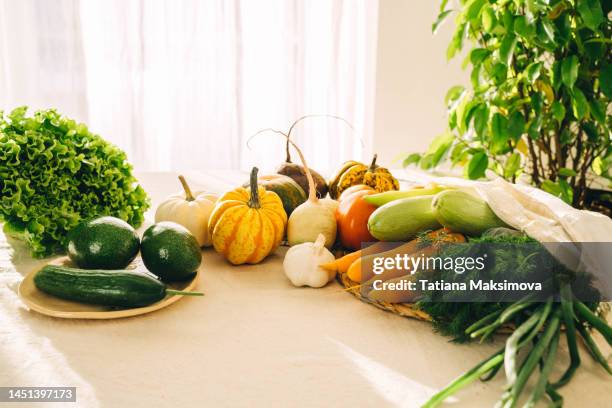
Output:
(253, 340)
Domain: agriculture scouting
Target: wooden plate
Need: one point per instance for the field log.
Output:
(66, 309)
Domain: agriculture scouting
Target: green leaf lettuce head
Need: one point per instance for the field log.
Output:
(54, 173)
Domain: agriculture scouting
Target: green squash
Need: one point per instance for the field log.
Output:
(290, 192)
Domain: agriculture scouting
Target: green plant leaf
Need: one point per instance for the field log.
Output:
(580, 105)
(557, 10)
(506, 49)
(453, 94)
(436, 151)
(524, 27)
(457, 41)
(458, 153)
(566, 137)
(564, 29)
(535, 6)
(569, 71)
(591, 131)
(599, 166)
(548, 29)
(478, 165)
(488, 19)
(473, 7)
(534, 127)
(477, 55)
(443, 4)
(499, 133)
(558, 111)
(481, 120)
(567, 194)
(532, 72)
(411, 159)
(441, 17)
(512, 165)
(591, 13)
(499, 73)
(499, 124)
(598, 111)
(565, 172)
(560, 189)
(537, 102)
(555, 75)
(605, 80)
(516, 125)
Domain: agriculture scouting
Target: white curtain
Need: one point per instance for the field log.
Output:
(181, 85)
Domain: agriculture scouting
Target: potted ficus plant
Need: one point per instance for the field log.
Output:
(539, 102)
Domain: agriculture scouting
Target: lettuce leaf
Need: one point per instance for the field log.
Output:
(54, 173)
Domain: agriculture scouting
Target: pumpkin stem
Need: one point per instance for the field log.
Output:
(373, 164)
(312, 190)
(188, 194)
(254, 200)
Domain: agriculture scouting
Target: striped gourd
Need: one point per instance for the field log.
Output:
(247, 224)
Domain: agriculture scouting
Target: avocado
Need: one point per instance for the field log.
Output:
(103, 243)
(170, 251)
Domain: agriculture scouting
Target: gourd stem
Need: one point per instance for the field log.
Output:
(254, 200)
(288, 156)
(312, 187)
(188, 194)
(183, 293)
(373, 164)
(298, 120)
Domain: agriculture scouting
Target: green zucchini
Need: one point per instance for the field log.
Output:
(403, 219)
(381, 199)
(462, 212)
(116, 288)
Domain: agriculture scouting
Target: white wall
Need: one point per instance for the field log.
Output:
(412, 77)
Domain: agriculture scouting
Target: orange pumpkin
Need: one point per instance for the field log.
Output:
(247, 224)
(352, 216)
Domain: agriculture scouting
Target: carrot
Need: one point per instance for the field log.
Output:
(342, 264)
(356, 274)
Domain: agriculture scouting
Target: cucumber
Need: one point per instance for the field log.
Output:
(116, 288)
(462, 212)
(381, 199)
(403, 219)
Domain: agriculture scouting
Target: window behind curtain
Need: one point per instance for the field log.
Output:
(181, 85)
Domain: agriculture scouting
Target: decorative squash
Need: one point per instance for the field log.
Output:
(353, 173)
(290, 192)
(247, 224)
(352, 215)
(189, 209)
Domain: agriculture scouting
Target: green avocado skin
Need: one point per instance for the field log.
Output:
(170, 251)
(103, 243)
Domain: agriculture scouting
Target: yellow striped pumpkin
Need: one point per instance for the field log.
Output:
(247, 224)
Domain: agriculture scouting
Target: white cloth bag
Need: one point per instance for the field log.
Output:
(547, 218)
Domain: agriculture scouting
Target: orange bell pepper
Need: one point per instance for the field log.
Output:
(352, 216)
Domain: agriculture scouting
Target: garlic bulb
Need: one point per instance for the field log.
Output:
(301, 264)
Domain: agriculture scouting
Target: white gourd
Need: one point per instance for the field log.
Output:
(190, 209)
(313, 217)
(301, 264)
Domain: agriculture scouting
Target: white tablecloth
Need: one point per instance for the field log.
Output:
(253, 340)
